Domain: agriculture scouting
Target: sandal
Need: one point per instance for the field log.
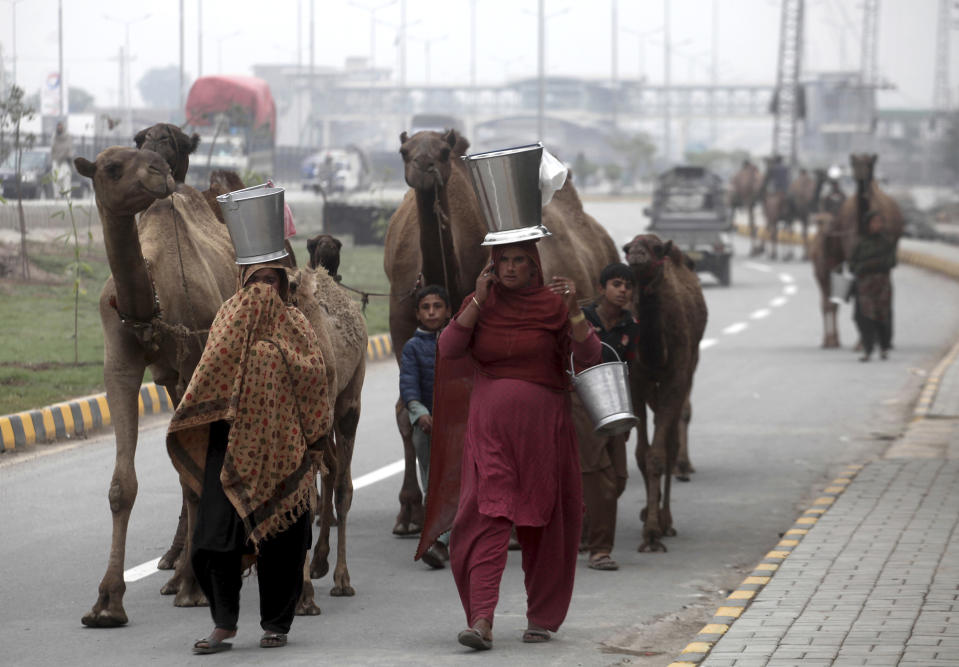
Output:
(272, 640)
(210, 645)
(536, 636)
(474, 639)
(603, 562)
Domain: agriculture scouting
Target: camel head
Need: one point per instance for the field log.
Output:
(863, 165)
(427, 156)
(646, 254)
(223, 181)
(172, 143)
(126, 180)
(325, 251)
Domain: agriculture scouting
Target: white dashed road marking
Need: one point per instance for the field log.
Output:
(778, 301)
(706, 343)
(759, 314)
(735, 328)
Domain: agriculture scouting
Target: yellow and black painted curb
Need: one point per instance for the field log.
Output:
(930, 388)
(78, 417)
(83, 416)
(379, 347)
(738, 600)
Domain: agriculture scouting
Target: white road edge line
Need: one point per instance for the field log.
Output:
(786, 278)
(707, 343)
(790, 289)
(778, 301)
(757, 267)
(759, 314)
(150, 567)
(735, 328)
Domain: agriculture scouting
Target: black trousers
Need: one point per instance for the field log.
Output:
(279, 567)
(873, 331)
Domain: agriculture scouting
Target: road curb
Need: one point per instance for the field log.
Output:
(71, 419)
(83, 416)
(738, 600)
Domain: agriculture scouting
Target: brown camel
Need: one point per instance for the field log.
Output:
(668, 302)
(826, 251)
(435, 237)
(774, 201)
(172, 144)
(868, 196)
(324, 250)
(171, 270)
(341, 331)
(800, 200)
(744, 192)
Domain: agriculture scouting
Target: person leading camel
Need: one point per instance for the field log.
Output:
(603, 458)
(256, 409)
(519, 462)
(871, 262)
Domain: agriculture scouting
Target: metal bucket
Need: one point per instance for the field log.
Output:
(604, 390)
(254, 218)
(840, 286)
(507, 187)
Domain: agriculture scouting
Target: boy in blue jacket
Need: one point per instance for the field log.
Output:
(417, 367)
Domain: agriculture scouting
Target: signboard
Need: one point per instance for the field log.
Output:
(50, 94)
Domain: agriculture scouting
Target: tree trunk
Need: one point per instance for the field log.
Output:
(24, 260)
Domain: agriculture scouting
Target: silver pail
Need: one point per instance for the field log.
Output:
(604, 390)
(840, 286)
(507, 187)
(254, 218)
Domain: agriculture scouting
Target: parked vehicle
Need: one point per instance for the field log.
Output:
(689, 208)
(36, 180)
(336, 170)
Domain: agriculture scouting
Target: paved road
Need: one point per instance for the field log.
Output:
(774, 418)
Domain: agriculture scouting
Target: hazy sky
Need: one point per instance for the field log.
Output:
(241, 33)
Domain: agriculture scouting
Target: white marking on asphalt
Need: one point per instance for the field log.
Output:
(395, 468)
(707, 343)
(786, 278)
(778, 301)
(735, 328)
(790, 289)
(141, 571)
(758, 267)
(759, 314)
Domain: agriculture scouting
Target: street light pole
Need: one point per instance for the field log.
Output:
(614, 42)
(127, 82)
(63, 89)
(541, 66)
(13, 8)
(667, 121)
(199, 38)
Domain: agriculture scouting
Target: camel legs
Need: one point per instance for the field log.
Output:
(123, 386)
(684, 466)
(183, 583)
(169, 559)
(805, 238)
(755, 247)
(319, 565)
(659, 458)
(409, 521)
(830, 326)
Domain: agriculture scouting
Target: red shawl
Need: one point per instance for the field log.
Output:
(510, 319)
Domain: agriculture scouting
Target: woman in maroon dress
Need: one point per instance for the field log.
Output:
(520, 462)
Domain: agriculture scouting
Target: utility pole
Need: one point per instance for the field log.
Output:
(63, 88)
(473, 94)
(940, 85)
(714, 76)
(786, 112)
(199, 38)
(868, 63)
(614, 44)
(667, 121)
(312, 135)
(541, 67)
(182, 50)
(402, 36)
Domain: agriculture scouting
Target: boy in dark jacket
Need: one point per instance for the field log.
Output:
(417, 368)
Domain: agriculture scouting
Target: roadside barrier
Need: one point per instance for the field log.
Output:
(83, 416)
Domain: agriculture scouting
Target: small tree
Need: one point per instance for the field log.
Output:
(637, 150)
(16, 110)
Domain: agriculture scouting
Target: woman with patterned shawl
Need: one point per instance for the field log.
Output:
(520, 460)
(257, 405)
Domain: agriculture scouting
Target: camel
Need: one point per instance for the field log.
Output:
(341, 331)
(172, 144)
(669, 304)
(800, 199)
(324, 250)
(826, 251)
(171, 270)
(869, 196)
(434, 237)
(774, 201)
(744, 192)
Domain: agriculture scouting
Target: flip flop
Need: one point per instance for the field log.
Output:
(536, 636)
(603, 562)
(272, 640)
(474, 639)
(212, 646)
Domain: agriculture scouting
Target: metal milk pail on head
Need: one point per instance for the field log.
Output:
(604, 390)
(507, 187)
(254, 218)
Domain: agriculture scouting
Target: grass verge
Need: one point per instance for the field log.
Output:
(36, 322)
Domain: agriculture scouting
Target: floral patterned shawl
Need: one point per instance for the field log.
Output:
(262, 371)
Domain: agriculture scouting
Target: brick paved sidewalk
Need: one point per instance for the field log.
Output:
(875, 578)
